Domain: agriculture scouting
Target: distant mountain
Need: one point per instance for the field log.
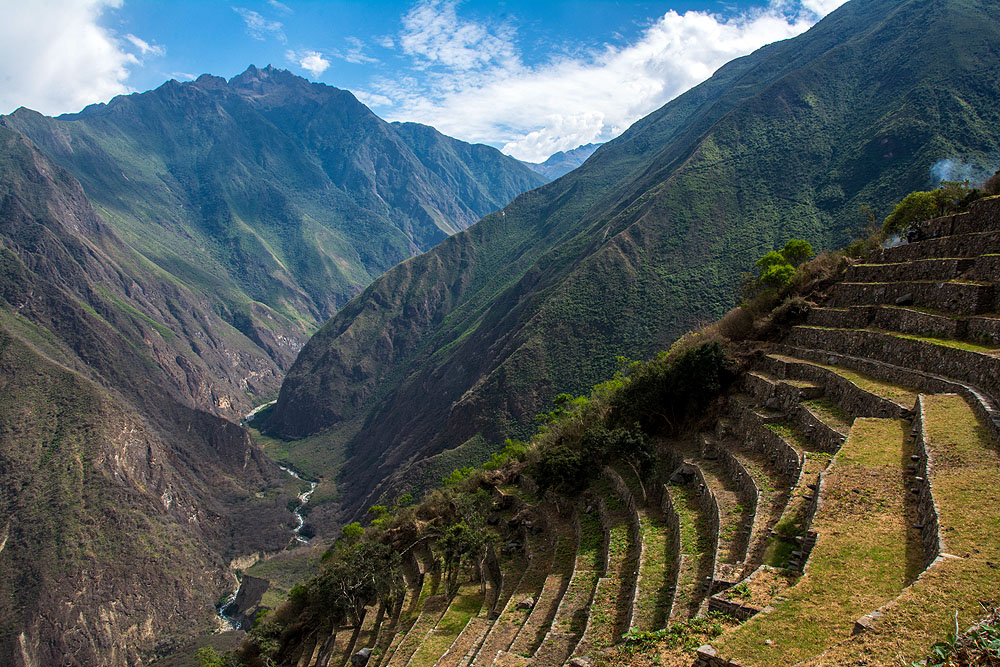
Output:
(122, 496)
(274, 198)
(162, 259)
(461, 346)
(563, 162)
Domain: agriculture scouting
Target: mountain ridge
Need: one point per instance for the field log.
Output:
(628, 251)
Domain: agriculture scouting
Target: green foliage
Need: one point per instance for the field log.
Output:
(352, 532)
(359, 575)
(405, 500)
(569, 466)
(514, 450)
(924, 205)
(777, 276)
(992, 184)
(457, 476)
(981, 646)
(797, 251)
(663, 393)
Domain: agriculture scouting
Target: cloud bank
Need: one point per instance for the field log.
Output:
(468, 78)
(60, 58)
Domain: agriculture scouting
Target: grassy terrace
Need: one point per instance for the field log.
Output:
(696, 546)
(965, 478)
(734, 512)
(655, 570)
(512, 619)
(431, 612)
(607, 612)
(793, 519)
(540, 618)
(463, 607)
(774, 496)
(571, 617)
(866, 553)
(830, 413)
(906, 396)
(991, 350)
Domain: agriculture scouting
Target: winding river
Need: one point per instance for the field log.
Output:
(226, 605)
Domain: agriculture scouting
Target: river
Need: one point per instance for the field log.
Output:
(304, 497)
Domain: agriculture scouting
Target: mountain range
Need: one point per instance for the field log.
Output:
(163, 257)
(445, 355)
(563, 162)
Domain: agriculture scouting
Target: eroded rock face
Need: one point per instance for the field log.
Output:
(123, 487)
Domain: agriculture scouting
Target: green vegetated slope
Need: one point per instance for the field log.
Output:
(274, 199)
(123, 490)
(648, 237)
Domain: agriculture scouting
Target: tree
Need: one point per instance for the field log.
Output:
(797, 251)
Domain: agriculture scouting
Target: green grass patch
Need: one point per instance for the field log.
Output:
(830, 413)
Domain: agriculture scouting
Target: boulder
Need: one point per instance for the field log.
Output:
(360, 659)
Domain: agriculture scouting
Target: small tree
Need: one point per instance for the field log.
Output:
(797, 251)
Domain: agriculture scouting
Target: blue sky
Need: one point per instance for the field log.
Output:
(530, 78)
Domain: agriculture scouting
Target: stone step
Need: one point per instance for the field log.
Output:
(921, 269)
(983, 215)
(861, 558)
(960, 298)
(976, 366)
(896, 318)
(857, 394)
(779, 393)
(698, 545)
(963, 246)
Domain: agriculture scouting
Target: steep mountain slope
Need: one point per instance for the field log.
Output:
(123, 492)
(648, 237)
(563, 162)
(275, 199)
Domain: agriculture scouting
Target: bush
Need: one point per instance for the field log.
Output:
(666, 392)
(992, 184)
(921, 206)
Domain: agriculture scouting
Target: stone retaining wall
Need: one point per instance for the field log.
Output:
(921, 269)
(808, 541)
(821, 434)
(983, 215)
(984, 406)
(927, 511)
(966, 245)
(709, 505)
(758, 438)
(635, 531)
(852, 399)
(706, 656)
(674, 526)
(741, 612)
(602, 509)
(953, 297)
(983, 329)
(986, 268)
(909, 321)
(745, 482)
(979, 370)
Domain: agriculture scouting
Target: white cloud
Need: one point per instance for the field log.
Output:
(434, 35)
(470, 81)
(280, 6)
(56, 57)
(260, 27)
(311, 61)
(145, 48)
(356, 52)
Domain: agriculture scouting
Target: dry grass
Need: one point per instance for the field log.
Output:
(965, 478)
(863, 558)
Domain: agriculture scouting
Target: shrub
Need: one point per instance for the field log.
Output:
(992, 184)
(921, 206)
(671, 389)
